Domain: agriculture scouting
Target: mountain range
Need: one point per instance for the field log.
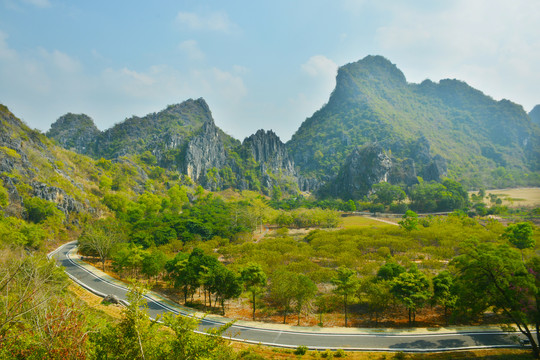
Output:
(375, 127)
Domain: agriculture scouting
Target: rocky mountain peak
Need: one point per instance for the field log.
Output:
(267, 149)
(74, 131)
(204, 152)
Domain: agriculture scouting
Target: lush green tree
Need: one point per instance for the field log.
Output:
(181, 274)
(128, 256)
(412, 289)
(100, 237)
(389, 271)
(254, 279)
(346, 285)
(386, 193)
(520, 235)
(444, 291)
(410, 221)
(178, 198)
(377, 296)
(153, 263)
(38, 210)
(494, 276)
(226, 285)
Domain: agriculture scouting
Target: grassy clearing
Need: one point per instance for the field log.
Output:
(359, 221)
(517, 198)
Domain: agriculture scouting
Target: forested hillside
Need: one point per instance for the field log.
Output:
(485, 142)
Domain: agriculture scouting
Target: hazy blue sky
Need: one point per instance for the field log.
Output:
(258, 64)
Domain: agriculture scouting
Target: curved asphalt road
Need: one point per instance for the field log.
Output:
(315, 339)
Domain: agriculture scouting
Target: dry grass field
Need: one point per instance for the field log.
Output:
(516, 198)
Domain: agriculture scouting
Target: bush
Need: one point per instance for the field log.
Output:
(340, 353)
(301, 350)
(399, 208)
(327, 354)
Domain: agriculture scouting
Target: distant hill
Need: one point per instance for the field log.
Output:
(184, 138)
(373, 103)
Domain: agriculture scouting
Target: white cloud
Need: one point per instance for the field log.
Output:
(191, 49)
(491, 44)
(5, 51)
(217, 21)
(320, 65)
(60, 60)
(45, 84)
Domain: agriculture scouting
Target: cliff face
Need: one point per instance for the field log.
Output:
(371, 164)
(363, 168)
(268, 150)
(204, 152)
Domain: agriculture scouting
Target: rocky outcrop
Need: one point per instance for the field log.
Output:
(204, 152)
(363, 168)
(75, 132)
(403, 172)
(436, 170)
(63, 201)
(268, 150)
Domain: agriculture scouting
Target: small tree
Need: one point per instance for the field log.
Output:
(444, 291)
(99, 238)
(254, 280)
(346, 284)
(282, 290)
(304, 291)
(410, 221)
(520, 235)
(412, 289)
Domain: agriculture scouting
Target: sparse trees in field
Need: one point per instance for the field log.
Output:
(254, 280)
(346, 285)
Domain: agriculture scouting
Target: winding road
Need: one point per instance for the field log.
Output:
(314, 338)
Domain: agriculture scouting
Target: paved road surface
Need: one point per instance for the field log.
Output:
(288, 336)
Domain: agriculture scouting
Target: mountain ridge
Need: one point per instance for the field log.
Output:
(429, 130)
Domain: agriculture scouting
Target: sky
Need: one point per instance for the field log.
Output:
(258, 64)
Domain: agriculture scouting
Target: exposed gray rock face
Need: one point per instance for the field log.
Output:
(436, 169)
(64, 202)
(403, 172)
(309, 184)
(268, 150)
(363, 168)
(75, 132)
(204, 152)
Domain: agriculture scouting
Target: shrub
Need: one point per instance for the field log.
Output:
(301, 350)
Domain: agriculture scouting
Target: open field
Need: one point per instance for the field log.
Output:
(358, 221)
(514, 198)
